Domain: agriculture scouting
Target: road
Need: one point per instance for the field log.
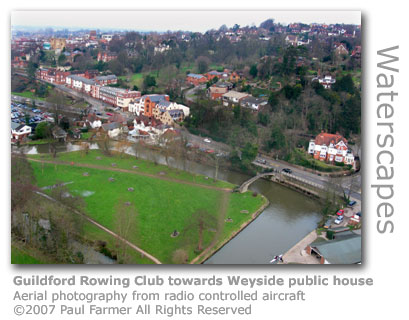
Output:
(352, 182)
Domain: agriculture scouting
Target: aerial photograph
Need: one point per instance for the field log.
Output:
(185, 137)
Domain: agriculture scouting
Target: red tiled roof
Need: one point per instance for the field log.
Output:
(328, 138)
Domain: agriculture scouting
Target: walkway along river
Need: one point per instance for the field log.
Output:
(289, 217)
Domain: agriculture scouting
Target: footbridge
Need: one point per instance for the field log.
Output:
(287, 179)
(245, 185)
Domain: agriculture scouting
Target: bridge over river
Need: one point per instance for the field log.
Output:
(287, 179)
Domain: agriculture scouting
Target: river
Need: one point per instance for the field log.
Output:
(289, 217)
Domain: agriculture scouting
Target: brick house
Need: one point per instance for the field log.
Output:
(146, 104)
(216, 93)
(195, 79)
(106, 80)
(331, 148)
(106, 56)
(213, 74)
(340, 49)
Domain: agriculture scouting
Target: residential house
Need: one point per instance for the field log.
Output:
(327, 81)
(93, 121)
(168, 117)
(113, 129)
(106, 80)
(145, 104)
(195, 79)
(291, 39)
(236, 76)
(233, 97)
(341, 49)
(19, 131)
(59, 134)
(213, 74)
(216, 93)
(253, 103)
(356, 53)
(331, 148)
(106, 56)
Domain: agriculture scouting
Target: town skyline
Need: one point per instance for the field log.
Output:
(194, 21)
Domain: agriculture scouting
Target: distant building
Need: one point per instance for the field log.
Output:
(326, 81)
(145, 104)
(341, 49)
(233, 97)
(195, 79)
(253, 103)
(118, 97)
(58, 43)
(106, 80)
(106, 56)
(291, 39)
(216, 93)
(331, 148)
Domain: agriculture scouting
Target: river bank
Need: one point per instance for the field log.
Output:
(288, 215)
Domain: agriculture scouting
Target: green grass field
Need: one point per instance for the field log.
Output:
(27, 94)
(19, 256)
(164, 203)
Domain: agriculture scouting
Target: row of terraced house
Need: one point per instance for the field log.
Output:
(155, 106)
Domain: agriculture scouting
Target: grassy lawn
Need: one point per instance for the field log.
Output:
(128, 162)
(27, 94)
(162, 206)
(20, 256)
(39, 141)
(86, 135)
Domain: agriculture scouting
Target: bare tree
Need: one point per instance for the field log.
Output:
(57, 99)
(122, 146)
(125, 225)
(84, 147)
(200, 221)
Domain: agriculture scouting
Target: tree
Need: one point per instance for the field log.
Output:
(278, 140)
(202, 64)
(273, 101)
(57, 99)
(253, 70)
(249, 152)
(200, 221)
(62, 59)
(22, 181)
(125, 225)
(43, 130)
(31, 70)
(149, 82)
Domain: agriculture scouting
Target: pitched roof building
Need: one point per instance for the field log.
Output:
(331, 148)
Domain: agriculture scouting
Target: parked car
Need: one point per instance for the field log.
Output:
(358, 214)
(287, 170)
(339, 220)
(262, 161)
(207, 140)
(340, 212)
(109, 114)
(351, 203)
(328, 223)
